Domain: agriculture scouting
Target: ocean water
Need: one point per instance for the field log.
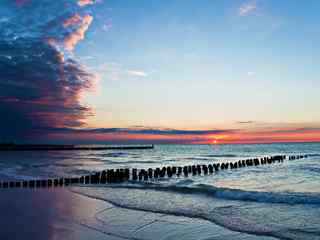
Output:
(280, 200)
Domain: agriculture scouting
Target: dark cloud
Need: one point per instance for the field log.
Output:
(296, 130)
(245, 122)
(134, 135)
(143, 130)
(173, 131)
(40, 87)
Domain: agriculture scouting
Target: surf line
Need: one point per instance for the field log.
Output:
(123, 175)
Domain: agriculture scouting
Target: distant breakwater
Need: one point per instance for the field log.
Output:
(134, 174)
(51, 147)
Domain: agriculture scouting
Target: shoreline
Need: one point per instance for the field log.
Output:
(61, 213)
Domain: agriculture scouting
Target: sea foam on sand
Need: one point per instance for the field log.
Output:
(62, 214)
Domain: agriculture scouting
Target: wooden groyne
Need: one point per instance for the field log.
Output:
(49, 147)
(123, 175)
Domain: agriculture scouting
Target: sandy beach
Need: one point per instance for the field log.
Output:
(62, 214)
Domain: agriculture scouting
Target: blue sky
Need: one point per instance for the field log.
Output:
(167, 65)
(205, 62)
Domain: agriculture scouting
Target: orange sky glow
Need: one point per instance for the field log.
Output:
(235, 137)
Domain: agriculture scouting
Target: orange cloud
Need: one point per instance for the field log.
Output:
(273, 135)
(74, 19)
(84, 2)
(78, 34)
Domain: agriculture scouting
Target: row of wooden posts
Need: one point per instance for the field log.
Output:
(122, 175)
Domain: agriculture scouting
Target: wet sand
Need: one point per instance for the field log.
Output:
(62, 214)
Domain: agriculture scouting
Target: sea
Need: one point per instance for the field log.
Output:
(281, 200)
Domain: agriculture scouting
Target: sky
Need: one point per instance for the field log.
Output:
(151, 71)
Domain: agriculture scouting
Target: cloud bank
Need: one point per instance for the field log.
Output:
(147, 135)
(41, 85)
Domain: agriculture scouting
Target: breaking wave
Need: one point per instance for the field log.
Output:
(229, 193)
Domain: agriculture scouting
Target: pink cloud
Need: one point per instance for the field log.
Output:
(75, 36)
(84, 2)
(74, 19)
